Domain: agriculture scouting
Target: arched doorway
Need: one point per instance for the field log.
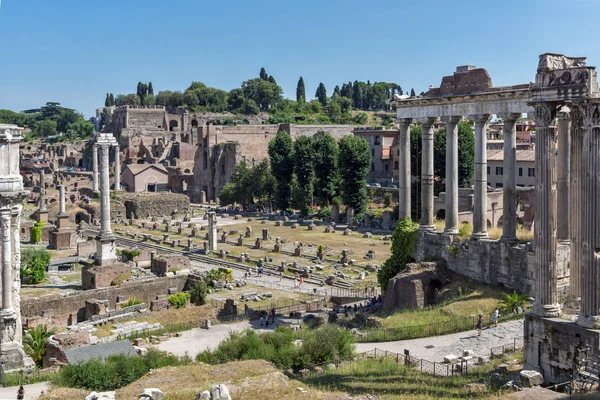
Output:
(441, 215)
(172, 125)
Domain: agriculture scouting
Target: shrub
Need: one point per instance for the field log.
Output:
(387, 199)
(34, 343)
(324, 212)
(130, 254)
(114, 372)
(403, 244)
(131, 301)
(219, 274)
(34, 261)
(36, 232)
(198, 293)
(179, 300)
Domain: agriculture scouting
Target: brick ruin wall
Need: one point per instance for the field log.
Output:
(158, 204)
(491, 261)
(57, 311)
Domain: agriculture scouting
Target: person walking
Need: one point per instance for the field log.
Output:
(495, 317)
(20, 393)
(301, 281)
(479, 325)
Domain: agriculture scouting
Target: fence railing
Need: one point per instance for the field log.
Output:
(427, 330)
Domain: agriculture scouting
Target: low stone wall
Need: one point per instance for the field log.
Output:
(490, 261)
(147, 205)
(161, 265)
(57, 311)
(87, 248)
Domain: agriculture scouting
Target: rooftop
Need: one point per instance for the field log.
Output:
(522, 155)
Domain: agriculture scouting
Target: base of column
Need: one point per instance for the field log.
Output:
(589, 322)
(451, 231)
(479, 235)
(106, 251)
(564, 241)
(547, 310)
(427, 227)
(12, 356)
(509, 240)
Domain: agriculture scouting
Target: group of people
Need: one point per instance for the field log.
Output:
(267, 317)
(479, 325)
(298, 282)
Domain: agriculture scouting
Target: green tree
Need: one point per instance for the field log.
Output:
(326, 152)
(354, 162)
(513, 301)
(46, 127)
(403, 245)
(34, 343)
(34, 261)
(107, 101)
(412, 93)
(281, 155)
(236, 100)
(127, 100)
(51, 110)
(334, 111)
(321, 94)
(150, 89)
(466, 153)
(199, 292)
(263, 74)
(80, 130)
(305, 174)
(264, 93)
(241, 187)
(66, 118)
(300, 91)
(112, 99)
(336, 90)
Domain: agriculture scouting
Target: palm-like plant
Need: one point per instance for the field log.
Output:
(34, 343)
(512, 301)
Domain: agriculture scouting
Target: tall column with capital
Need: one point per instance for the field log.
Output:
(5, 220)
(427, 172)
(590, 257)
(61, 199)
(42, 190)
(117, 169)
(563, 175)
(404, 168)
(105, 191)
(509, 186)
(452, 175)
(95, 168)
(480, 203)
(575, 205)
(546, 294)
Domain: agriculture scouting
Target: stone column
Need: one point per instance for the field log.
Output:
(5, 219)
(117, 169)
(105, 190)
(452, 175)
(42, 190)
(480, 203)
(563, 178)
(546, 294)
(509, 191)
(61, 199)
(576, 207)
(95, 168)
(427, 172)
(404, 169)
(212, 231)
(590, 240)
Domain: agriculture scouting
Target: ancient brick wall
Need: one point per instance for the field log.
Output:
(161, 265)
(155, 204)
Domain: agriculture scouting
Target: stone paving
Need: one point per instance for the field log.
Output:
(435, 348)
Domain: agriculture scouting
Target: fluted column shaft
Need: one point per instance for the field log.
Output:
(452, 175)
(545, 212)
(61, 199)
(5, 220)
(404, 168)
(105, 191)
(427, 172)
(480, 201)
(563, 176)
(95, 168)
(509, 186)
(576, 205)
(590, 298)
(42, 190)
(117, 169)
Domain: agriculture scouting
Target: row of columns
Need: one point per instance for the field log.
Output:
(95, 179)
(480, 182)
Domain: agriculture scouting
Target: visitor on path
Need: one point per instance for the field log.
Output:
(495, 317)
(301, 282)
(479, 325)
(20, 393)
(262, 318)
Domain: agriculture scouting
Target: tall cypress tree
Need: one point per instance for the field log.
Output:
(321, 94)
(412, 93)
(356, 96)
(272, 80)
(336, 90)
(281, 155)
(263, 74)
(107, 101)
(300, 91)
(150, 89)
(112, 99)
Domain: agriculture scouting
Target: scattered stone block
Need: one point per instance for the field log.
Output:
(203, 395)
(476, 388)
(151, 394)
(531, 378)
(450, 358)
(220, 392)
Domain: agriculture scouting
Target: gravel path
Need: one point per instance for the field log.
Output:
(32, 391)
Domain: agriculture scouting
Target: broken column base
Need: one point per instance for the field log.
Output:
(12, 356)
(552, 345)
(95, 277)
(63, 239)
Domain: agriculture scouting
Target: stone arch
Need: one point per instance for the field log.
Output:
(151, 184)
(187, 171)
(500, 221)
(377, 140)
(194, 123)
(489, 224)
(173, 124)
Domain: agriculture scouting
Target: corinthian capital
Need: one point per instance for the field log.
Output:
(589, 113)
(544, 114)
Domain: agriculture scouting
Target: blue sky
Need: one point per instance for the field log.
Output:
(74, 51)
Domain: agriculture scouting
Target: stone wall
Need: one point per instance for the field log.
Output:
(93, 277)
(59, 311)
(490, 261)
(86, 249)
(161, 265)
(159, 204)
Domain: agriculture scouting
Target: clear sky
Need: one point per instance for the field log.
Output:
(74, 51)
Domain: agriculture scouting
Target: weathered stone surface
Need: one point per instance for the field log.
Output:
(155, 204)
(203, 395)
(476, 387)
(152, 394)
(220, 392)
(531, 378)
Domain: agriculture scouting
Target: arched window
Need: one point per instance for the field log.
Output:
(377, 141)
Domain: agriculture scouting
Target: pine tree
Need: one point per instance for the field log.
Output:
(300, 91)
(272, 80)
(107, 101)
(321, 94)
(150, 89)
(263, 74)
(112, 99)
(412, 93)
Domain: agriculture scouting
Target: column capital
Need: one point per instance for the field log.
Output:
(480, 118)
(510, 117)
(544, 115)
(428, 121)
(564, 113)
(405, 121)
(452, 120)
(589, 113)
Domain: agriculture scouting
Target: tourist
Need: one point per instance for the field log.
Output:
(301, 282)
(495, 317)
(261, 318)
(21, 393)
(479, 325)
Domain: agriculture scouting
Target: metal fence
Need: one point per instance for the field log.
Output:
(427, 330)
